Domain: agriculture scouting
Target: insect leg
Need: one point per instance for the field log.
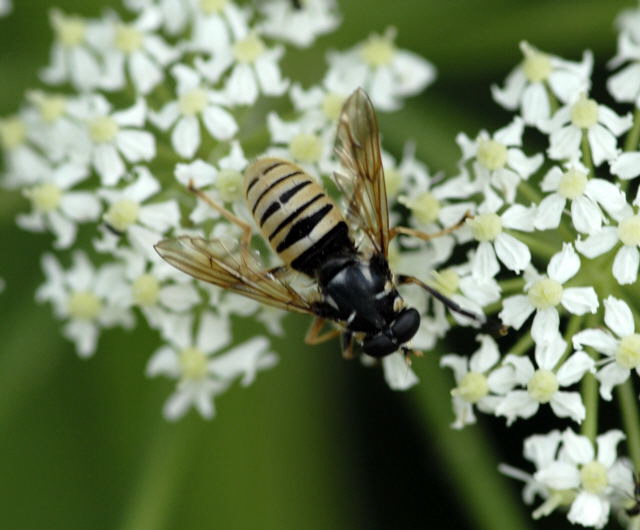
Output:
(403, 279)
(314, 336)
(245, 227)
(347, 345)
(424, 236)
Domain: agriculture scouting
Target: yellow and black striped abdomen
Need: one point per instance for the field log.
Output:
(295, 215)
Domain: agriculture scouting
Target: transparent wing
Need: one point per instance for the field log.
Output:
(232, 266)
(363, 185)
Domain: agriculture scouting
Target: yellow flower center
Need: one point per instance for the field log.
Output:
(44, 197)
(491, 154)
(485, 226)
(103, 129)
(425, 207)
(70, 30)
(84, 305)
(128, 38)
(584, 112)
(572, 184)
(13, 132)
(378, 50)
(193, 102)
(248, 49)
(193, 363)
(122, 214)
(229, 184)
(472, 387)
(536, 66)
(628, 354)
(629, 230)
(51, 107)
(545, 293)
(210, 7)
(393, 180)
(593, 476)
(306, 147)
(146, 289)
(446, 281)
(332, 105)
(543, 385)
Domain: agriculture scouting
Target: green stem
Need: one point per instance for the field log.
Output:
(589, 391)
(630, 419)
(586, 153)
(572, 328)
(633, 136)
(468, 458)
(524, 344)
(512, 284)
(537, 246)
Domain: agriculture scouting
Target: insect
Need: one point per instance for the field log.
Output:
(353, 286)
(634, 508)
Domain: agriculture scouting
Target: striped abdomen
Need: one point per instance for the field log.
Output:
(300, 222)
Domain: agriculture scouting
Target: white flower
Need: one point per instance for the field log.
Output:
(136, 46)
(543, 384)
(23, 163)
(130, 212)
(476, 383)
(386, 73)
(254, 67)
(194, 101)
(585, 115)
(203, 372)
(56, 207)
(625, 263)
(591, 476)
(87, 298)
(526, 86)
(113, 135)
(487, 227)
(545, 293)
(622, 351)
(624, 86)
(73, 55)
(397, 372)
(5, 7)
(587, 196)
(298, 26)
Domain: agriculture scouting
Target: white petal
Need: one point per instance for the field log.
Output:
(522, 164)
(397, 373)
(179, 297)
(199, 172)
(516, 309)
(136, 145)
(512, 133)
(144, 72)
(81, 206)
(219, 122)
(607, 444)
(578, 448)
(545, 325)
(213, 332)
(519, 217)
(549, 212)
(598, 243)
(133, 116)
(589, 509)
(486, 356)
(568, 405)
(627, 165)
(269, 77)
(625, 265)
(616, 124)
(64, 230)
(517, 403)
(84, 334)
(548, 353)
(574, 368)
(564, 265)
(513, 253)
(586, 216)
(535, 104)
(108, 164)
(598, 339)
(559, 475)
(618, 316)
(484, 263)
(611, 375)
(242, 87)
(565, 143)
(160, 216)
(185, 137)
(580, 300)
(603, 144)
(164, 361)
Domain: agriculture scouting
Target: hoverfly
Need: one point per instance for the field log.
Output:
(354, 287)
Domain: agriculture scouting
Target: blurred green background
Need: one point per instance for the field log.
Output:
(317, 442)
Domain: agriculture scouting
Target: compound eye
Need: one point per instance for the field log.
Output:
(406, 325)
(378, 345)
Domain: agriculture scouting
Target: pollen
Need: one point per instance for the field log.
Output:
(128, 38)
(472, 387)
(491, 154)
(629, 230)
(193, 102)
(536, 66)
(378, 50)
(545, 293)
(229, 184)
(593, 476)
(584, 112)
(628, 354)
(485, 226)
(248, 49)
(122, 214)
(193, 362)
(306, 147)
(51, 107)
(543, 385)
(332, 105)
(70, 30)
(103, 129)
(145, 290)
(44, 197)
(425, 207)
(210, 7)
(572, 184)
(84, 305)
(447, 281)
(13, 132)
